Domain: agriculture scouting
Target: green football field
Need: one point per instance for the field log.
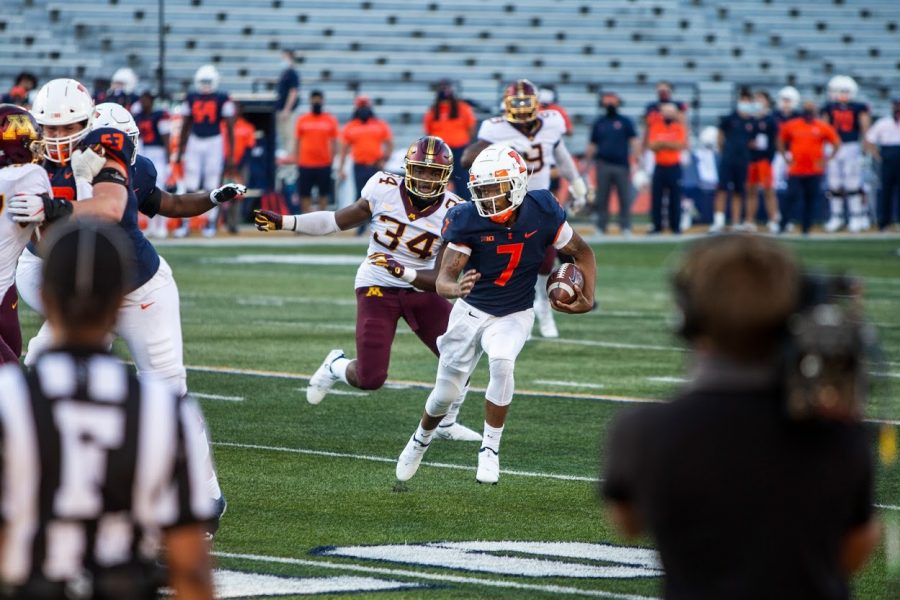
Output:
(311, 489)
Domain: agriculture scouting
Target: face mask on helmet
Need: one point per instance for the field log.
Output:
(60, 141)
(492, 200)
(520, 109)
(426, 182)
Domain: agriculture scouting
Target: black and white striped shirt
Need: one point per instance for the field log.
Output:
(95, 465)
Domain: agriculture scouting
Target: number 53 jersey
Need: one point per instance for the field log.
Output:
(411, 235)
(537, 148)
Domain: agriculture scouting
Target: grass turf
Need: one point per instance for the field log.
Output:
(284, 318)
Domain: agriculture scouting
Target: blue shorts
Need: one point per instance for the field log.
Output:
(733, 176)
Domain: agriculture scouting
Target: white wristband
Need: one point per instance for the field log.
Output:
(289, 222)
(409, 275)
(84, 189)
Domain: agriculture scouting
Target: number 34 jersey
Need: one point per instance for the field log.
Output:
(412, 236)
(541, 143)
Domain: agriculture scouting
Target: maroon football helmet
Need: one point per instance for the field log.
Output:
(520, 101)
(20, 135)
(428, 163)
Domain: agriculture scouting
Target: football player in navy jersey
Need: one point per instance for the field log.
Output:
(155, 127)
(737, 131)
(501, 236)
(121, 89)
(149, 320)
(851, 120)
(760, 174)
(202, 147)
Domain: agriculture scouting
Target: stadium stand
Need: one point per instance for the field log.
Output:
(393, 50)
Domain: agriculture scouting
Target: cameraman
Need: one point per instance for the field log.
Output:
(741, 499)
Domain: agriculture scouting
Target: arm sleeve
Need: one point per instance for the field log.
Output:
(320, 222)
(564, 162)
(452, 230)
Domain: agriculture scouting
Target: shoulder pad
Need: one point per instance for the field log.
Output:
(111, 143)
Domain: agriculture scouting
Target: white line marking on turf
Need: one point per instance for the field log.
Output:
(423, 385)
(289, 259)
(203, 396)
(667, 379)
(235, 584)
(888, 506)
(602, 344)
(551, 589)
(333, 392)
(384, 459)
(557, 382)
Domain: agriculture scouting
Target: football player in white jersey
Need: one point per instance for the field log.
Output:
(537, 135)
(397, 278)
(19, 176)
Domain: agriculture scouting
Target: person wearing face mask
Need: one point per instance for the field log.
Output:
(801, 142)
(736, 138)
(883, 142)
(653, 111)
(317, 141)
(760, 173)
(287, 100)
(452, 119)
(666, 140)
(369, 141)
(613, 146)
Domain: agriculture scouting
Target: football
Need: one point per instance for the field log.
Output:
(562, 283)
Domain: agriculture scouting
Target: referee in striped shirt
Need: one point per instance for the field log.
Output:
(98, 470)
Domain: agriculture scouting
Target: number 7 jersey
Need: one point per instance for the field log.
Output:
(411, 235)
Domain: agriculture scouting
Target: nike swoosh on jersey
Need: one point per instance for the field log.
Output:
(530, 233)
(148, 305)
(15, 304)
(67, 175)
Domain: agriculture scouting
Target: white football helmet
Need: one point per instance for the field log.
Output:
(206, 79)
(788, 99)
(124, 79)
(709, 137)
(842, 88)
(62, 102)
(110, 114)
(497, 181)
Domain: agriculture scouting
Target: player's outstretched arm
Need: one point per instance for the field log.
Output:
(192, 205)
(579, 250)
(567, 168)
(448, 283)
(422, 279)
(472, 152)
(321, 222)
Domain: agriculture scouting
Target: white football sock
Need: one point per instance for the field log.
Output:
(837, 208)
(339, 368)
(424, 435)
(492, 437)
(719, 219)
(541, 300)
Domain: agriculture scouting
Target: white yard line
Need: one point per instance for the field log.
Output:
(385, 459)
(888, 506)
(334, 392)
(422, 385)
(667, 379)
(561, 383)
(204, 396)
(498, 583)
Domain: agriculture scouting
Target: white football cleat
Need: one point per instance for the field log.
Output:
(457, 432)
(323, 379)
(410, 459)
(774, 227)
(834, 224)
(548, 327)
(488, 466)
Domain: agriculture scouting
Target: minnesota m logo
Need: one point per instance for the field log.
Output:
(19, 125)
(374, 291)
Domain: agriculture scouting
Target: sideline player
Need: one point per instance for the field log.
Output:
(851, 120)
(155, 127)
(537, 135)
(759, 175)
(405, 214)
(502, 236)
(99, 468)
(19, 136)
(202, 146)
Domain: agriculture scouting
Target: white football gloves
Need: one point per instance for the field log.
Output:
(27, 208)
(581, 193)
(227, 192)
(86, 164)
